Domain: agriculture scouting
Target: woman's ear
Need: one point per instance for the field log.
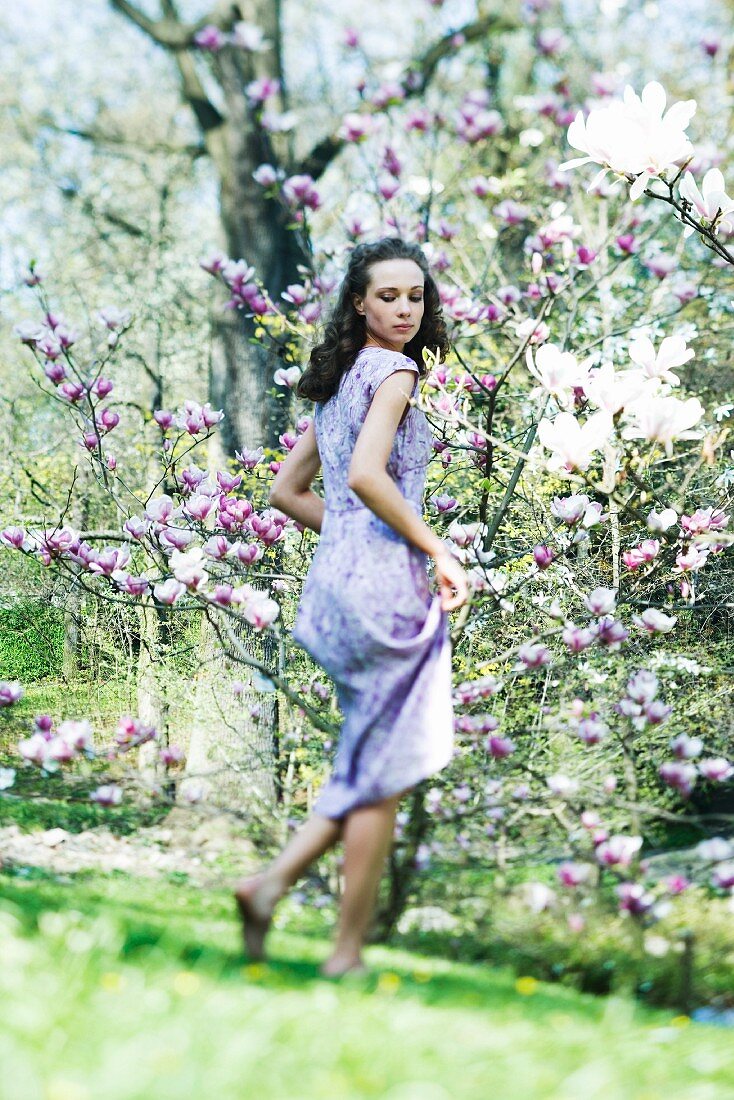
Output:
(358, 306)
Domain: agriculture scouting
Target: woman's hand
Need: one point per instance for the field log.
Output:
(452, 580)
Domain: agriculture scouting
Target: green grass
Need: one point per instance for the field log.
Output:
(137, 990)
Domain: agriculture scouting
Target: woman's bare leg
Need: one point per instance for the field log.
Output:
(257, 896)
(368, 834)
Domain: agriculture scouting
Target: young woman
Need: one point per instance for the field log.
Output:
(367, 615)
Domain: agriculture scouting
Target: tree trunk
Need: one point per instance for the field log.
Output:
(232, 752)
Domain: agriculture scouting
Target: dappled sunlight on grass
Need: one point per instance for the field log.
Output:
(145, 987)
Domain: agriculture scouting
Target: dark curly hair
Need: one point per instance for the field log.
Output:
(344, 333)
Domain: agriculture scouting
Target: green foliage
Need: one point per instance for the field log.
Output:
(75, 815)
(31, 641)
(611, 954)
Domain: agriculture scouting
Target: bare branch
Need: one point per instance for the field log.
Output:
(178, 38)
(420, 74)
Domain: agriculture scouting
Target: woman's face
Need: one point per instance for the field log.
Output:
(393, 303)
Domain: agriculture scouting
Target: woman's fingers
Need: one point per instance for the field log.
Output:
(454, 590)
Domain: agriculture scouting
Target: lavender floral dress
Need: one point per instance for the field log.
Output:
(366, 614)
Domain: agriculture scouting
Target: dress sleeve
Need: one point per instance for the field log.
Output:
(373, 369)
(382, 366)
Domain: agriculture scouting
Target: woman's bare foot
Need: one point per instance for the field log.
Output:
(339, 965)
(256, 898)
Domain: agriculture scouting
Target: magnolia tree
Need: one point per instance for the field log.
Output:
(586, 498)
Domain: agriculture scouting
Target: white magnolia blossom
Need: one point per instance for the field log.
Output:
(671, 353)
(557, 371)
(249, 36)
(613, 390)
(633, 136)
(287, 376)
(663, 420)
(189, 567)
(573, 444)
(711, 202)
(661, 521)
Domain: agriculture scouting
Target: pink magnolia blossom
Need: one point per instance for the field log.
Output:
(626, 243)
(133, 586)
(704, 519)
(71, 391)
(163, 418)
(210, 38)
(573, 874)
(500, 747)
(301, 191)
(114, 318)
(107, 795)
(13, 536)
(533, 655)
(249, 459)
(171, 754)
(716, 769)
(592, 730)
(710, 43)
(570, 509)
(723, 876)
(168, 592)
(108, 420)
(602, 601)
(685, 747)
(356, 127)
(287, 376)
(660, 263)
(550, 41)
(136, 527)
(511, 212)
(55, 372)
(159, 509)
(103, 387)
(691, 560)
(132, 732)
(257, 91)
(543, 556)
(613, 390)
(682, 777)
(675, 884)
(633, 898)
(35, 750)
(10, 692)
(578, 638)
(260, 610)
(618, 851)
(654, 621)
(712, 204)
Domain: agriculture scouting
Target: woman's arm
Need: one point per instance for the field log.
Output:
(368, 476)
(291, 490)
(369, 479)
